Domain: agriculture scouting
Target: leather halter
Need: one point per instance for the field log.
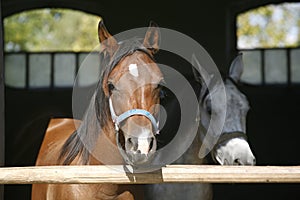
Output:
(228, 136)
(118, 119)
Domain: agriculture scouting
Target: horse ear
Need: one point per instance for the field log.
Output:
(201, 75)
(196, 73)
(107, 41)
(236, 68)
(152, 38)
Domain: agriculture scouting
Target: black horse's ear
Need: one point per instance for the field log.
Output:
(107, 42)
(237, 67)
(201, 75)
(152, 38)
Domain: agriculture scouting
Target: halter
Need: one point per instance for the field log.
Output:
(230, 135)
(118, 119)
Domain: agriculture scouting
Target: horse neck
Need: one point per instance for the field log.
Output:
(106, 151)
(191, 155)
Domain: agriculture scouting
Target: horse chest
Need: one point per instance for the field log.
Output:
(82, 191)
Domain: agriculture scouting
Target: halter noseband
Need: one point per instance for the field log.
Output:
(118, 119)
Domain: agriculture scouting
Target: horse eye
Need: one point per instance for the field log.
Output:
(208, 106)
(111, 87)
(208, 109)
(162, 94)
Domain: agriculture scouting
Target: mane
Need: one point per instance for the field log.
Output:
(97, 114)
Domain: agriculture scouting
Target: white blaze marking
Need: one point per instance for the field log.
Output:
(133, 70)
(143, 146)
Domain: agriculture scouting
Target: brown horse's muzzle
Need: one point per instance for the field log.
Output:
(135, 135)
(140, 151)
(137, 142)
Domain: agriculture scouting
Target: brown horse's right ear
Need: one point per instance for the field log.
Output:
(107, 41)
(152, 38)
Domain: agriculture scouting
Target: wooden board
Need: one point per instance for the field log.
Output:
(169, 174)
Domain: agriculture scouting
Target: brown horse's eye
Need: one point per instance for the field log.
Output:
(162, 93)
(111, 87)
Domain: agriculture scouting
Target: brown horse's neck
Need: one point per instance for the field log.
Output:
(106, 151)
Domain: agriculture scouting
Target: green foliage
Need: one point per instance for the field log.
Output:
(270, 26)
(51, 30)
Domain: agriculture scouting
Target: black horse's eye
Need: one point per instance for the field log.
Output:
(111, 87)
(209, 111)
(208, 107)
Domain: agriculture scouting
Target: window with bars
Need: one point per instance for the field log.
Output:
(53, 45)
(51, 70)
(272, 66)
(269, 38)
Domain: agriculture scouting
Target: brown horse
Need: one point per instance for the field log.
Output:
(119, 124)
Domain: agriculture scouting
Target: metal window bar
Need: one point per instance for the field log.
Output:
(288, 64)
(76, 63)
(263, 68)
(52, 71)
(27, 71)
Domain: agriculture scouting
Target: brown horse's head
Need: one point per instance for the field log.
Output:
(131, 87)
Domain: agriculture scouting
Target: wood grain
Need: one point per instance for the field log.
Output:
(168, 174)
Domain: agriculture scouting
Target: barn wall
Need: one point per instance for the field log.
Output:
(2, 134)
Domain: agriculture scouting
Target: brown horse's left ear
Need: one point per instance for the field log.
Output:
(107, 42)
(152, 38)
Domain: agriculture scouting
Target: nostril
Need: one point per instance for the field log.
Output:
(151, 144)
(121, 140)
(129, 141)
(237, 162)
(132, 144)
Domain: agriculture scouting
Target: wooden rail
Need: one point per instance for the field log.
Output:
(169, 174)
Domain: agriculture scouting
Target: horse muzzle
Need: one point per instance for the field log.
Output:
(140, 150)
(136, 143)
(136, 151)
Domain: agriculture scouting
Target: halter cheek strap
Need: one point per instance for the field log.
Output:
(118, 119)
(225, 137)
